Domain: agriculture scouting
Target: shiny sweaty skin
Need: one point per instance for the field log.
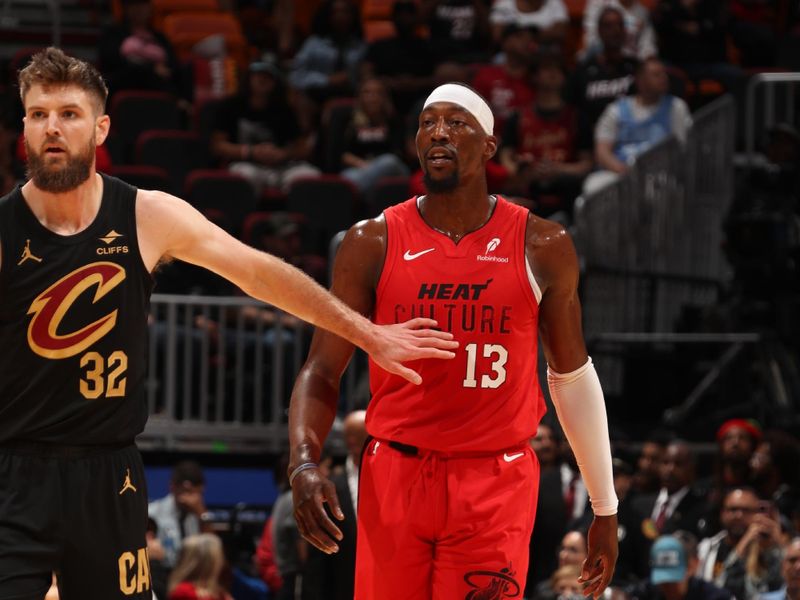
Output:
(449, 141)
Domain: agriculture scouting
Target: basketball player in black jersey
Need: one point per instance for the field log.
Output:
(77, 250)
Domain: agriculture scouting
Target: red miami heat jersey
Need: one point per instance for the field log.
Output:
(488, 397)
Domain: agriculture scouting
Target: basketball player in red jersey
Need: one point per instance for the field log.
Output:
(448, 481)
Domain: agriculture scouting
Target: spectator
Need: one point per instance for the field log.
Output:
(545, 445)
(197, 574)
(605, 76)
(565, 583)
(633, 124)
(775, 473)
(541, 148)
(159, 573)
(326, 66)
(674, 559)
(571, 555)
(647, 478)
(180, 513)
(692, 37)
(632, 562)
(640, 38)
(134, 56)
(745, 557)
(548, 16)
(332, 576)
(678, 504)
(404, 62)
(753, 32)
(258, 134)
(373, 141)
(459, 29)
(509, 85)
(790, 570)
(736, 441)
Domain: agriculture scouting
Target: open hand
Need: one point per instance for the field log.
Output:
(310, 491)
(412, 340)
(598, 568)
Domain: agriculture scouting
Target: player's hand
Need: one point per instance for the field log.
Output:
(598, 568)
(310, 491)
(393, 345)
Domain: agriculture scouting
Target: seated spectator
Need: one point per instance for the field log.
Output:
(326, 66)
(752, 28)
(790, 570)
(565, 583)
(673, 560)
(745, 557)
(737, 440)
(403, 62)
(646, 478)
(640, 38)
(548, 16)
(633, 124)
(373, 141)
(258, 135)
(679, 504)
(179, 514)
(159, 573)
(692, 37)
(541, 148)
(775, 471)
(134, 56)
(509, 85)
(197, 574)
(604, 76)
(571, 554)
(459, 29)
(545, 445)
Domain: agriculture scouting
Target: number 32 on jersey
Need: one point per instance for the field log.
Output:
(497, 357)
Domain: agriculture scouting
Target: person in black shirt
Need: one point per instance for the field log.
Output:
(77, 252)
(605, 76)
(257, 132)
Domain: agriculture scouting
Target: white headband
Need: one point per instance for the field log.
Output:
(466, 99)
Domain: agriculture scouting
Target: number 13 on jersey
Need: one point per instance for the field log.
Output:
(497, 355)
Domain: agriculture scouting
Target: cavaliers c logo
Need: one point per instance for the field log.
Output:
(49, 307)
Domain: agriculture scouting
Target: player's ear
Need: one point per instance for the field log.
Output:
(490, 147)
(102, 125)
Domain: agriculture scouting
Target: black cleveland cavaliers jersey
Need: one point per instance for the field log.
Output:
(73, 325)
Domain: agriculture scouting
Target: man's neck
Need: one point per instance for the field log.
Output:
(459, 212)
(66, 213)
(648, 100)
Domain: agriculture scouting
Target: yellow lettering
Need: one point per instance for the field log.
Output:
(126, 583)
(143, 575)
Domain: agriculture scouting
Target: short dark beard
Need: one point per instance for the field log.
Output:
(61, 180)
(440, 186)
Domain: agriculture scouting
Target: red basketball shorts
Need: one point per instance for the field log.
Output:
(444, 527)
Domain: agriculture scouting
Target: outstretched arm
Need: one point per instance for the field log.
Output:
(170, 227)
(576, 391)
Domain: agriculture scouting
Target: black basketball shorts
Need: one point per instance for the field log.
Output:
(80, 512)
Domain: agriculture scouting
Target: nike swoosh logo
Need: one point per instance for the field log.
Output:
(409, 256)
(512, 457)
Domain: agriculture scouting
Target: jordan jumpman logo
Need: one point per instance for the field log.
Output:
(27, 254)
(127, 485)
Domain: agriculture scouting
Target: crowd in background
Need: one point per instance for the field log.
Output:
(574, 104)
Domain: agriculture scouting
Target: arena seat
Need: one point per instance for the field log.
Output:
(134, 111)
(388, 191)
(217, 189)
(146, 177)
(163, 8)
(185, 30)
(178, 152)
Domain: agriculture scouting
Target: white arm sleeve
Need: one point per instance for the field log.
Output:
(581, 410)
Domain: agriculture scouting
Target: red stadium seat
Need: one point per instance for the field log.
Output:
(220, 190)
(145, 177)
(135, 111)
(178, 152)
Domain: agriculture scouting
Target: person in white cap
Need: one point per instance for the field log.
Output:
(448, 485)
